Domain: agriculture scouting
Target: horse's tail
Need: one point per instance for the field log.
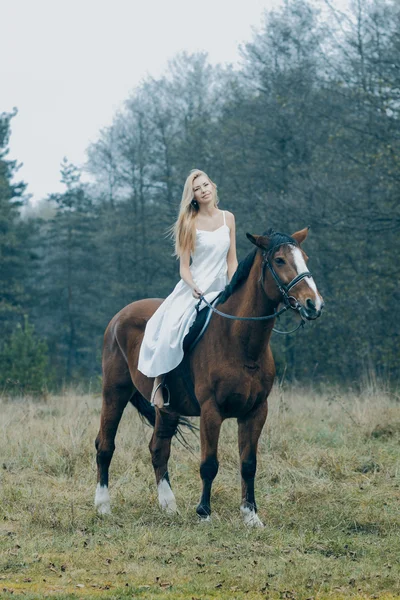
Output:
(147, 413)
(146, 410)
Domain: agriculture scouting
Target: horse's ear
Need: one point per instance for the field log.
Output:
(262, 241)
(301, 235)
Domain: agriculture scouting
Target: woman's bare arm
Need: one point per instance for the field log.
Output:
(186, 275)
(231, 259)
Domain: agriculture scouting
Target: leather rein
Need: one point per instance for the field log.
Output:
(290, 302)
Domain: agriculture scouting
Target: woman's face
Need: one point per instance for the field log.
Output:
(203, 190)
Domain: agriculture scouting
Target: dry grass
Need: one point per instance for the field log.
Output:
(327, 489)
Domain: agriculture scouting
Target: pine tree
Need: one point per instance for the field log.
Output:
(24, 361)
(14, 234)
(69, 295)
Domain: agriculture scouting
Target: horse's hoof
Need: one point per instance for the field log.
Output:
(250, 517)
(169, 509)
(166, 497)
(104, 509)
(102, 500)
(203, 512)
(206, 519)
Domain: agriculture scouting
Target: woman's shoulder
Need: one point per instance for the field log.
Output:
(230, 217)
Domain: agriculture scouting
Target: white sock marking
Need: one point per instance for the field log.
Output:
(250, 517)
(102, 500)
(166, 497)
(301, 267)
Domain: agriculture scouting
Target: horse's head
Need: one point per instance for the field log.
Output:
(285, 276)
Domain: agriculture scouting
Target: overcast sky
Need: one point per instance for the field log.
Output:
(68, 66)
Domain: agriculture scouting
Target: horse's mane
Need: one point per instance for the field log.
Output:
(244, 267)
(241, 274)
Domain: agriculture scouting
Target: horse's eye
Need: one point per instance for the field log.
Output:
(280, 261)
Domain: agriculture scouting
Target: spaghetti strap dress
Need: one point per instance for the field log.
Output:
(162, 345)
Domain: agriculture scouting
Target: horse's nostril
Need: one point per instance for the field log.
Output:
(310, 304)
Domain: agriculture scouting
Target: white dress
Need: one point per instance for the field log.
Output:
(161, 349)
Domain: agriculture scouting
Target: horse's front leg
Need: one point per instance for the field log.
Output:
(160, 449)
(250, 428)
(210, 426)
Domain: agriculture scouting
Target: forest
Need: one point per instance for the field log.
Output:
(305, 132)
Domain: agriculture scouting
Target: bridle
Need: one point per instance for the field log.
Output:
(290, 302)
(284, 289)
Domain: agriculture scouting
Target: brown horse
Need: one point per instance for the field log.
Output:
(232, 369)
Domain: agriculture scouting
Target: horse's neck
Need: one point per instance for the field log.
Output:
(251, 301)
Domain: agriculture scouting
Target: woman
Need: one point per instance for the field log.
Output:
(206, 235)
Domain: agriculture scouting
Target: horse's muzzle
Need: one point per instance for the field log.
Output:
(310, 311)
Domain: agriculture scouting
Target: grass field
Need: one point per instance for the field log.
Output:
(328, 491)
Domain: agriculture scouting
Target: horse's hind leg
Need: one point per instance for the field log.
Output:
(250, 429)
(160, 449)
(115, 398)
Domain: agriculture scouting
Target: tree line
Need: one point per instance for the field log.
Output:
(306, 132)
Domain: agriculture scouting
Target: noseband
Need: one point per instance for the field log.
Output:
(289, 301)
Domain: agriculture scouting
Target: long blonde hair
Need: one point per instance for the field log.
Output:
(184, 231)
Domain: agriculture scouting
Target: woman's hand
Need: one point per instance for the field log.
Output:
(196, 293)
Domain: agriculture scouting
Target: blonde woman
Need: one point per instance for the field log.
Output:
(205, 244)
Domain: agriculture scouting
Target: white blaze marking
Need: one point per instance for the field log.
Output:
(250, 517)
(166, 497)
(301, 267)
(102, 500)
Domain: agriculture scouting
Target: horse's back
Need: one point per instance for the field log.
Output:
(133, 315)
(125, 331)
